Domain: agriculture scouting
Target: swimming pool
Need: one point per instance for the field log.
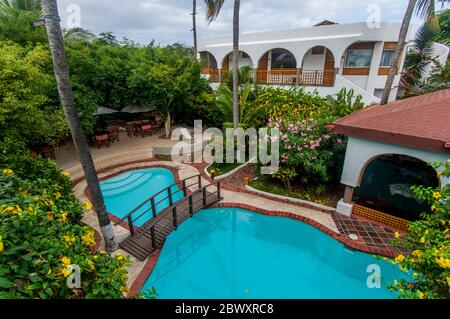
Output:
(122, 193)
(236, 253)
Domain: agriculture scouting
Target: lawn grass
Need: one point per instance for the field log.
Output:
(222, 168)
(329, 198)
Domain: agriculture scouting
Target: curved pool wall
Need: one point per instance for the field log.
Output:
(122, 193)
(236, 253)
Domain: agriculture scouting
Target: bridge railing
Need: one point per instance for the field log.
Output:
(174, 222)
(153, 202)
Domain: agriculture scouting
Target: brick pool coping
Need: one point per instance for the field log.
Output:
(356, 245)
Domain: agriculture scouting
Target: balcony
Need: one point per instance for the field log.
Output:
(282, 77)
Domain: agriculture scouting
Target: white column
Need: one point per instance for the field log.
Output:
(374, 66)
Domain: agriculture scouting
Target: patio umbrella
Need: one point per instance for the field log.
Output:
(138, 108)
(105, 110)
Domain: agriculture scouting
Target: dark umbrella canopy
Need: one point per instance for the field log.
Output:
(105, 110)
(138, 108)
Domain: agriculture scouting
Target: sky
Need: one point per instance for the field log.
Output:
(170, 21)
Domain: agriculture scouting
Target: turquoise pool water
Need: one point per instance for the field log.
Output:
(236, 253)
(124, 192)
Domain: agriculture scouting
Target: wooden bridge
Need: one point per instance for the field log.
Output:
(149, 237)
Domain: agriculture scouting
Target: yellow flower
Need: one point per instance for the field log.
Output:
(65, 272)
(422, 240)
(433, 208)
(66, 174)
(69, 239)
(87, 205)
(399, 258)
(8, 171)
(49, 272)
(443, 263)
(125, 289)
(119, 256)
(65, 261)
(125, 276)
(436, 195)
(91, 264)
(63, 217)
(443, 222)
(2, 246)
(448, 281)
(420, 294)
(89, 239)
(396, 235)
(416, 252)
(58, 195)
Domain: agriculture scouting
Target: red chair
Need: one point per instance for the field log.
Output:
(146, 129)
(102, 140)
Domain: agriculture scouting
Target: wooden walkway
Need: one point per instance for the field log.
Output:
(151, 235)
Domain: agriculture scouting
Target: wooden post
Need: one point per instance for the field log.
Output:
(152, 232)
(315, 78)
(130, 225)
(348, 194)
(218, 190)
(199, 181)
(169, 192)
(184, 187)
(297, 79)
(152, 201)
(191, 209)
(204, 196)
(174, 213)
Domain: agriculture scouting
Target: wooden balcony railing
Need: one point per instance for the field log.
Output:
(296, 77)
(213, 74)
(284, 76)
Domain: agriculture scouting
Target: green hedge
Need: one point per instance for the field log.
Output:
(41, 235)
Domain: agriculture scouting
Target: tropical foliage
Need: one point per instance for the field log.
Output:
(41, 235)
(428, 240)
(309, 152)
(104, 71)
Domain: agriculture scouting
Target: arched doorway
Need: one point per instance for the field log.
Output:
(209, 66)
(318, 67)
(243, 60)
(277, 66)
(385, 185)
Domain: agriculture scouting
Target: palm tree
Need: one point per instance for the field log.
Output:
(214, 7)
(78, 34)
(27, 5)
(425, 9)
(419, 57)
(61, 69)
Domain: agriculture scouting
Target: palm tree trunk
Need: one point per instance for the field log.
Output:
(61, 69)
(236, 64)
(398, 51)
(194, 24)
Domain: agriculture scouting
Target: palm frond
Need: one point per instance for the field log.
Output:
(78, 34)
(213, 9)
(425, 39)
(26, 5)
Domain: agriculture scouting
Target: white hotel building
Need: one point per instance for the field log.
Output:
(325, 57)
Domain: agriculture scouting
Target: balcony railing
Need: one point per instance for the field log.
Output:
(284, 76)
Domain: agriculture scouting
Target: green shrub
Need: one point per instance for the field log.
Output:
(41, 235)
(428, 240)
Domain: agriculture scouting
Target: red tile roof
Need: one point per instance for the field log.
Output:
(419, 122)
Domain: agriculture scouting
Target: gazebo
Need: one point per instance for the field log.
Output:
(388, 150)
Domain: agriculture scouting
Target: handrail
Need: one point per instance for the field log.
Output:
(151, 223)
(127, 216)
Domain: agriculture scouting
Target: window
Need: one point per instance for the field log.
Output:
(358, 58)
(387, 58)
